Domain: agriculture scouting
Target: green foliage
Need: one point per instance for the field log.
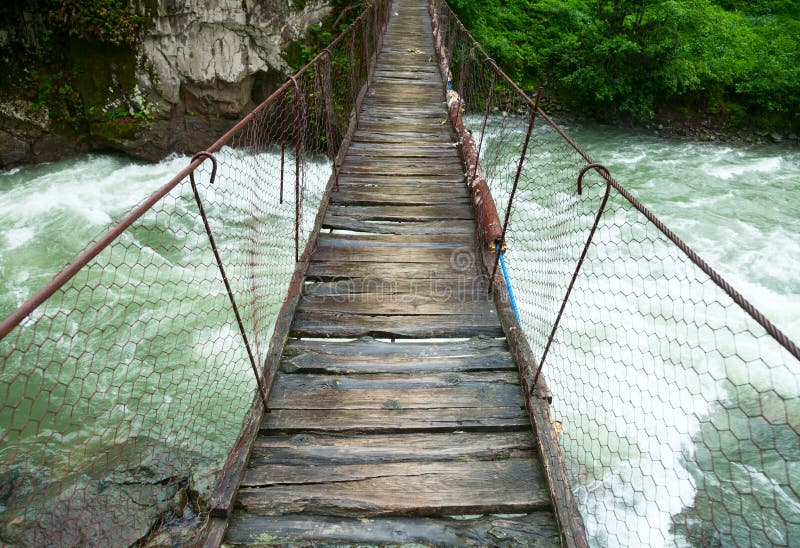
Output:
(344, 12)
(610, 58)
(81, 60)
(111, 22)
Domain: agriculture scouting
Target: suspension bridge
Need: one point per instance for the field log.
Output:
(345, 353)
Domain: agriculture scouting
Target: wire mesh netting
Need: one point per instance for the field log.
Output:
(122, 393)
(679, 402)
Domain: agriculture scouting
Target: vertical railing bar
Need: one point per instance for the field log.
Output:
(485, 118)
(600, 169)
(514, 188)
(283, 144)
(329, 116)
(205, 154)
(299, 119)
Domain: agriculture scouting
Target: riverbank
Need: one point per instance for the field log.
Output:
(678, 125)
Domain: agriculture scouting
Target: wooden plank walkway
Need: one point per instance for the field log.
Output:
(376, 442)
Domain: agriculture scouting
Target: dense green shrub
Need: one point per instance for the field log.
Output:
(739, 59)
(105, 21)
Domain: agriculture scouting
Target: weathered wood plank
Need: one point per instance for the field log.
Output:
(393, 254)
(341, 222)
(535, 530)
(428, 489)
(370, 356)
(303, 450)
(394, 240)
(349, 198)
(374, 304)
(367, 347)
(391, 381)
(403, 213)
(430, 271)
(493, 394)
(397, 183)
(388, 421)
(280, 474)
(466, 289)
(324, 324)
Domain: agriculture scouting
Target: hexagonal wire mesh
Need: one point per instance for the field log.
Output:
(680, 403)
(124, 382)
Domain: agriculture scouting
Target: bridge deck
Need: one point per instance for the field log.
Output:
(369, 441)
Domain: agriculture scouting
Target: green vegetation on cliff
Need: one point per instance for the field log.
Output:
(736, 61)
(68, 56)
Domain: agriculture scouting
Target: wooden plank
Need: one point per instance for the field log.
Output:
(403, 213)
(262, 476)
(399, 165)
(378, 197)
(394, 240)
(360, 148)
(323, 324)
(307, 450)
(400, 184)
(477, 395)
(389, 381)
(463, 289)
(429, 489)
(415, 271)
(398, 304)
(391, 254)
(535, 530)
(457, 226)
(367, 347)
(388, 421)
(320, 362)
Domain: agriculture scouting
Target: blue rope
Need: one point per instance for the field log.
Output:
(508, 284)
(449, 85)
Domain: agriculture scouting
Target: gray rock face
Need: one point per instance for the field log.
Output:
(198, 66)
(117, 500)
(211, 50)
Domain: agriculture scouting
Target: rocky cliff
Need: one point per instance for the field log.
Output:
(190, 69)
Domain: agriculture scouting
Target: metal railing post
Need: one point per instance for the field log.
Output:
(516, 182)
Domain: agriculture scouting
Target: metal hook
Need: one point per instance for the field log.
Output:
(210, 156)
(599, 168)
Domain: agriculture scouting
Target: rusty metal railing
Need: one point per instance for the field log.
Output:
(677, 397)
(126, 378)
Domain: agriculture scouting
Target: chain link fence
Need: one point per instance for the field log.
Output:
(678, 400)
(124, 381)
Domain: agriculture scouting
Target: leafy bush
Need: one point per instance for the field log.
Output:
(612, 58)
(111, 22)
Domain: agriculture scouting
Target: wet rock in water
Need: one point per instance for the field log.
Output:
(19, 482)
(116, 500)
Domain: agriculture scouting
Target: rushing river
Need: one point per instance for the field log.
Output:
(738, 207)
(719, 437)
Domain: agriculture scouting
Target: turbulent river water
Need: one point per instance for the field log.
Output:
(738, 207)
